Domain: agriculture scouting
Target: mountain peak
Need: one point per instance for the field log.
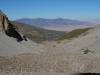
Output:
(60, 18)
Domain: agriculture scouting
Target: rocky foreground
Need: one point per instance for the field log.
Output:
(51, 58)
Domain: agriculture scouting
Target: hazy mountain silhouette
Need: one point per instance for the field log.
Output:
(55, 24)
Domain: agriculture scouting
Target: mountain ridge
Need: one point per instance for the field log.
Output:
(59, 24)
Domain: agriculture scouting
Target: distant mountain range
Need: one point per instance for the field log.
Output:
(96, 21)
(58, 24)
(37, 34)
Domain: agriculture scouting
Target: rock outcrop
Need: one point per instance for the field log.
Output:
(8, 36)
(9, 28)
(3, 21)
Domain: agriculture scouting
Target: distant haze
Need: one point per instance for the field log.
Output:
(58, 24)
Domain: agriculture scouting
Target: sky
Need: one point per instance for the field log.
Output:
(73, 9)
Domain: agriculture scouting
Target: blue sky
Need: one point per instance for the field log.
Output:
(73, 9)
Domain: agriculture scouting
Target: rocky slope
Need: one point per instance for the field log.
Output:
(89, 40)
(37, 34)
(54, 58)
(77, 55)
(9, 46)
(11, 40)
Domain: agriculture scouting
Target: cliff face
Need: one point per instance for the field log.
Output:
(9, 28)
(3, 21)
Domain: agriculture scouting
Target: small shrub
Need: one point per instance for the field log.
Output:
(86, 51)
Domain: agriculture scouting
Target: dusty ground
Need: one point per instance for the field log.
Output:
(50, 57)
(49, 64)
